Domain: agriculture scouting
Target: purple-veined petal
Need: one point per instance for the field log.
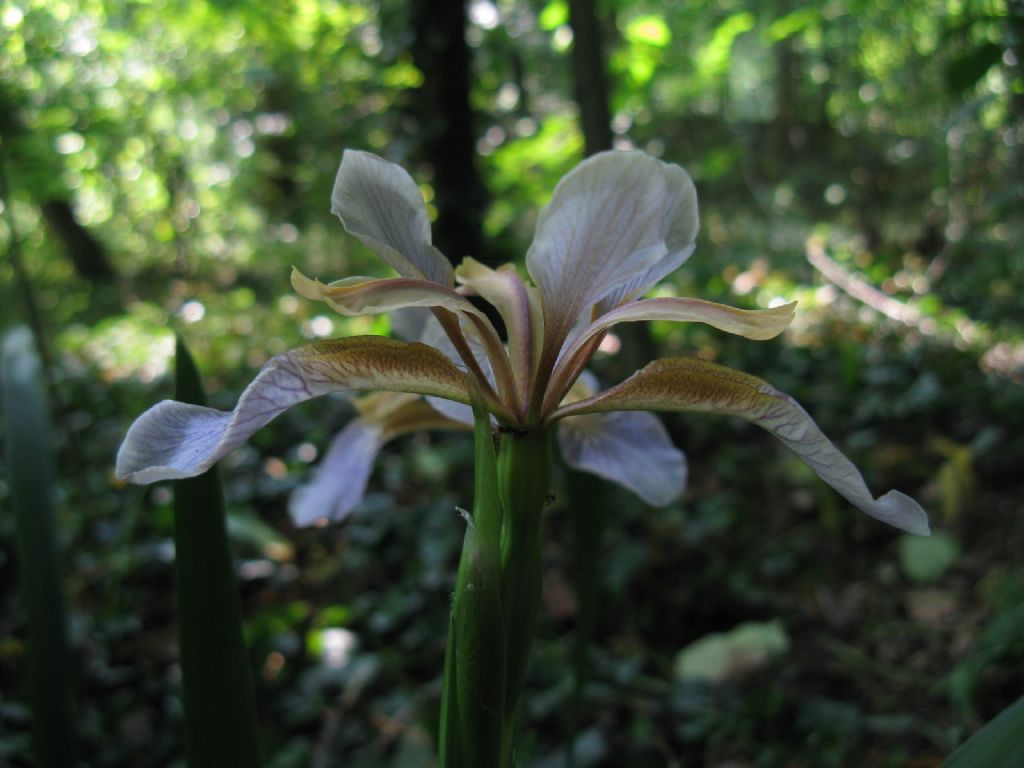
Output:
(173, 440)
(435, 336)
(632, 449)
(689, 384)
(642, 283)
(340, 481)
(607, 224)
(379, 203)
(683, 225)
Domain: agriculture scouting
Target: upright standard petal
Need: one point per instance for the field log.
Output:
(608, 222)
(379, 203)
(687, 384)
(173, 440)
(630, 449)
(683, 224)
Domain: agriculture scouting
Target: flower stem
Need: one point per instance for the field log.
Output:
(524, 469)
(497, 593)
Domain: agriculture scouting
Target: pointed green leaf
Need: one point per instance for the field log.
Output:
(33, 493)
(998, 744)
(220, 709)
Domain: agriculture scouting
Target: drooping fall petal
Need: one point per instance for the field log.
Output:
(609, 221)
(757, 324)
(173, 440)
(688, 384)
(632, 449)
(379, 203)
(340, 481)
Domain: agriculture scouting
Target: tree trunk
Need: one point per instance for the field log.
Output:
(87, 254)
(592, 96)
(447, 139)
(591, 81)
(85, 251)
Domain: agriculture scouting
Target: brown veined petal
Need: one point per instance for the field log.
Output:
(511, 297)
(173, 440)
(758, 324)
(356, 296)
(607, 223)
(688, 384)
(366, 295)
(379, 203)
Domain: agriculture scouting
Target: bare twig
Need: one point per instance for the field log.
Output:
(860, 289)
(1005, 358)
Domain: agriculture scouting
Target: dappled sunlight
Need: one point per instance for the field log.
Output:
(165, 165)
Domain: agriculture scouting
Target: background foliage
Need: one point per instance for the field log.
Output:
(165, 162)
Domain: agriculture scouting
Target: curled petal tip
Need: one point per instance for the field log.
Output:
(785, 313)
(903, 512)
(306, 287)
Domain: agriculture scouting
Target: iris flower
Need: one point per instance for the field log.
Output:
(616, 225)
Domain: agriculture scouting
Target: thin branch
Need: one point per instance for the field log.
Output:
(860, 289)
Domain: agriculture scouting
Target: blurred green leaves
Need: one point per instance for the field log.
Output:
(928, 560)
(731, 655)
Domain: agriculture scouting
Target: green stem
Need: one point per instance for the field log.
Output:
(524, 470)
(588, 510)
(497, 594)
(472, 703)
